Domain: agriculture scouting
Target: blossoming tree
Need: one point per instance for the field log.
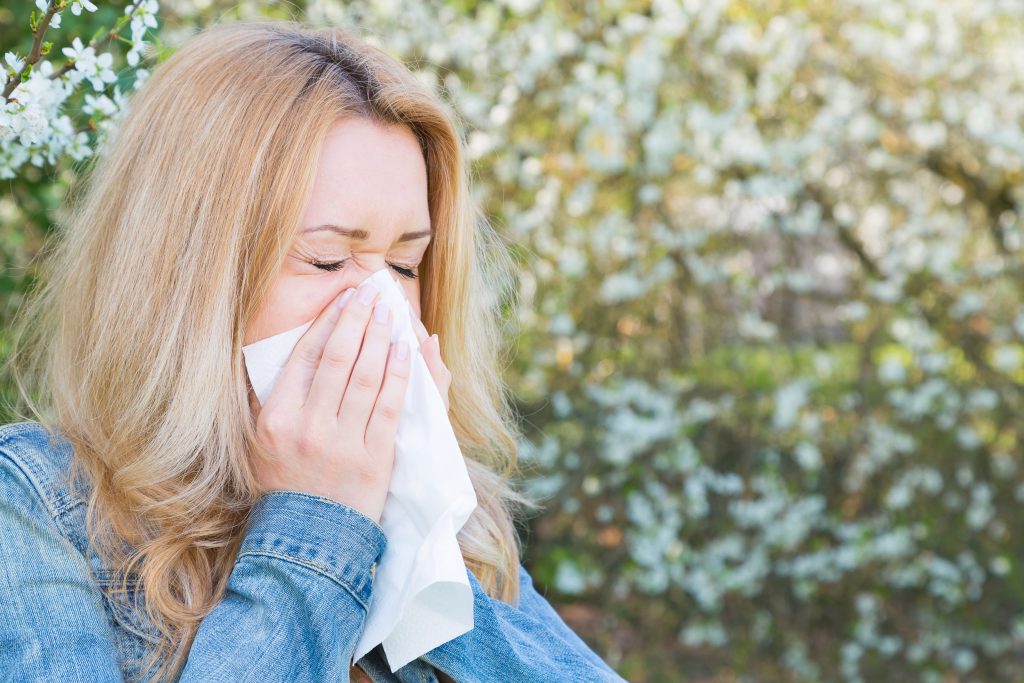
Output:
(771, 337)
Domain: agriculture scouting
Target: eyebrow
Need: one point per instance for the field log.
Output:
(361, 235)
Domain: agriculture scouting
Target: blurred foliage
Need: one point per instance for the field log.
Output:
(771, 341)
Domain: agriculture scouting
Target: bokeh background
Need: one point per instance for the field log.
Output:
(769, 350)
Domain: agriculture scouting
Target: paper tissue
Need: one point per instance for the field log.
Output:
(421, 593)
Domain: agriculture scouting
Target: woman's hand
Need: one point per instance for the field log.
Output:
(430, 347)
(331, 418)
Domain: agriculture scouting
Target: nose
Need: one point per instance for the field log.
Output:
(364, 267)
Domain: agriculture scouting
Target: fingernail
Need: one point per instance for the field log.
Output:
(367, 290)
(345, 296)
(380, 312)
(437, 341)
(403, 350)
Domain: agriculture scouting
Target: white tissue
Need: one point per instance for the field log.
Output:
(421, 593)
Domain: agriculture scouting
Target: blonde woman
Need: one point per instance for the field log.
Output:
(156, 522)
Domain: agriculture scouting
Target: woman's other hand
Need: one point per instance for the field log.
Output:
(430, 347)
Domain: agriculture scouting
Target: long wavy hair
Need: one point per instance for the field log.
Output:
(130, 345)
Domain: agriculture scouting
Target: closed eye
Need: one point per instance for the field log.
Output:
(332, 266)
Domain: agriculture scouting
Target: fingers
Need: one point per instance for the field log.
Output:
(297, 375)
(439, 372)
(364, 385)
(430, 349)
(428, 343)
(383, 425)
(340, 354)
(421, 331)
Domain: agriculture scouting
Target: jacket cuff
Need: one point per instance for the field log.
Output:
(319, 532)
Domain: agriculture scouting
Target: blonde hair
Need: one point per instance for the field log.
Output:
(133, 341)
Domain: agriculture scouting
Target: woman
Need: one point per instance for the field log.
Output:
(156, 520)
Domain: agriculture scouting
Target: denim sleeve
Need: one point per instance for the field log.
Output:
(295, 603)
(529, 643)
(297, 596)
(52, 623)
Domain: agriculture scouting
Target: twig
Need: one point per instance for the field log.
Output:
(35, 53)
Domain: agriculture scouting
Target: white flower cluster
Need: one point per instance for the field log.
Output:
(34, 127)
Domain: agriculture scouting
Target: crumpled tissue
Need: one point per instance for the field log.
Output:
(421, 592)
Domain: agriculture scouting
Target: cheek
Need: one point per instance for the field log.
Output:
(291, 302)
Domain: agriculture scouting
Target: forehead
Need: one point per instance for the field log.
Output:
(369, 176)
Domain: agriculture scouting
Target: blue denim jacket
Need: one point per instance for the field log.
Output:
(295, 604)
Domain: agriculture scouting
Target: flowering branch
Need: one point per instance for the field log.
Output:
(38, 48)
(31, 125)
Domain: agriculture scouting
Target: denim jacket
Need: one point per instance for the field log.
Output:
(294, 608)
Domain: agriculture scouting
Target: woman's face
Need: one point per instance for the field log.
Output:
(368, 211)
